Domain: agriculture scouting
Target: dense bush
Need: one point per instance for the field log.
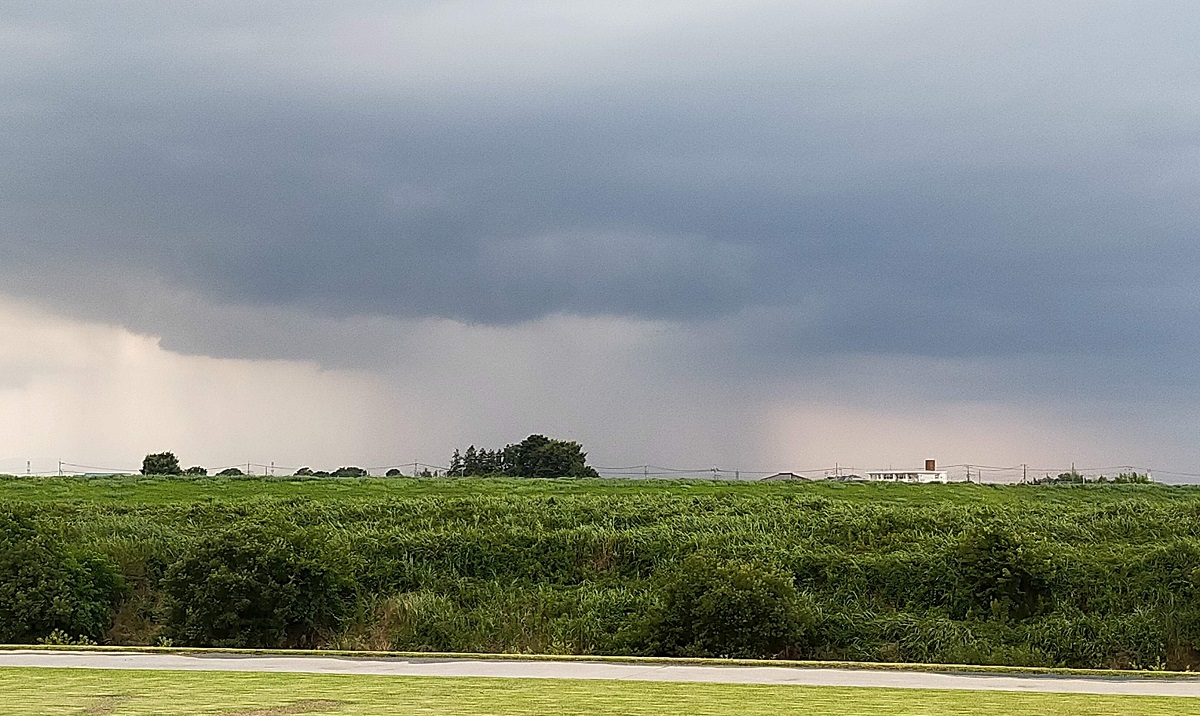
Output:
(255, 587)
(1002, 577)
(44, 588)
(727, 609)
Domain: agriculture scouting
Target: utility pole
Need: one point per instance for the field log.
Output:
(1024, 473)
(27, 468)
(645, 472)
(272, 468)
(968, 473)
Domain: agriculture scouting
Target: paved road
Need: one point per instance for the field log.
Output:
(599, 670)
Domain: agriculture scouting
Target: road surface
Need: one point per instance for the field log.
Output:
(499, 668)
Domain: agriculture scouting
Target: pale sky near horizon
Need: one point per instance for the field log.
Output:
(758, 235)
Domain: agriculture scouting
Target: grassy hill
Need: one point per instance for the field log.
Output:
(1084, 576)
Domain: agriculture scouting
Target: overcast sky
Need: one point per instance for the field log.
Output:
(759, 235)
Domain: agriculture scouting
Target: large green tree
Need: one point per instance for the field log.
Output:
(535, 456)
(161, 463)
(477, 462)
(540, 456)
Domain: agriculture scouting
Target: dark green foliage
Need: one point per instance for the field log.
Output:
(728, 609)
(477, 462)
(45, 588)
(304, 472)
(394, 473)
(231, 472)
(254, 587)
(540, 456)
(1001, 576)
(535, 456)
(349, 472)
(196, 471)
(161, 463)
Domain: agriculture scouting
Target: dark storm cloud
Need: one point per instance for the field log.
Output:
(937, 179)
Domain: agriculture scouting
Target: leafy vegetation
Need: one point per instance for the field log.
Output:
(161, 463)
(1057, 575)
(255, 587)
(1001, 577)
(46, 589)
(731, 609)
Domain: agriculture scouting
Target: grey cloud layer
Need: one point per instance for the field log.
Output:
(933, 179)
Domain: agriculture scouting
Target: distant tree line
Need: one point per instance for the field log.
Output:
(340, 472)
(535, 456)
(166, 463)
(1075, 478)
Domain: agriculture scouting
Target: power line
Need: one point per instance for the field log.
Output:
(94, 467)
(646, 470)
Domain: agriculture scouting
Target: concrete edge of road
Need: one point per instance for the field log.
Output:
(662, 660)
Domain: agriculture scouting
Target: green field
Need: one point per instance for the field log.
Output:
(1066, 576)
(51, 692)
(174, 490)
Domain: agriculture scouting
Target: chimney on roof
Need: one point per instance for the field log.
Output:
(930, 465)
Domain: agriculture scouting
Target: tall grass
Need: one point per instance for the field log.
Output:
(892, 572)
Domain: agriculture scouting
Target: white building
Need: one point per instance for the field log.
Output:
(907, 476)
(929, 474)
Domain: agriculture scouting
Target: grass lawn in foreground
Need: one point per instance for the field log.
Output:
(79, 692)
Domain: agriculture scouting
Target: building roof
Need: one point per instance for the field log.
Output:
(784, 476)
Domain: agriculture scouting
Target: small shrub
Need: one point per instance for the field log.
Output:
(251, 587)
(728, 609)
(58, 637)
